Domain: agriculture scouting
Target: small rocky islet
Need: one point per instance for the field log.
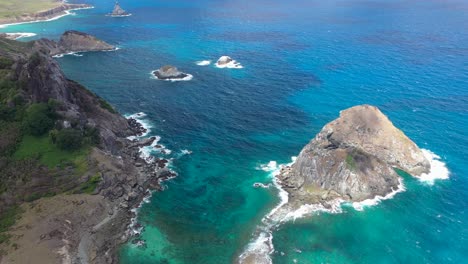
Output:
(353, 158)
(169, 72)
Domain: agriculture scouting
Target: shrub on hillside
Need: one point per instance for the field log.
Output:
(69, 139)
(39, 119)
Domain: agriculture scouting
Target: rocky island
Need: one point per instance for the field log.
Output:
(227, 62)
(25, 11)
(171, 73)
(69, 175)
(73, 41)
(353, 158)
(118, 11)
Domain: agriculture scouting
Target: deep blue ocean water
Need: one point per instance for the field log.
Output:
(304, 61)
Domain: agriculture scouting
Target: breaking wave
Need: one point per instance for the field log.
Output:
(439, 170)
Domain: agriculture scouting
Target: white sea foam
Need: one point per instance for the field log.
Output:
(186, 78)
(359, 206)
(140, 118)
(261, 185)
(203, 63)
(333, 207)
(21, 35)
(439, 169)
(185, 152)
(78, 53)
(145, 152)
(66, 13)
(259, 250)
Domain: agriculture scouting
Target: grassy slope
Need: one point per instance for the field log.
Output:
(12, 8)
(50, 155)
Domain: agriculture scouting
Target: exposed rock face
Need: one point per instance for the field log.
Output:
(353, 158)
(169, 72)
(118, 11)
(73, 41)
(77, 41)
(223, 60)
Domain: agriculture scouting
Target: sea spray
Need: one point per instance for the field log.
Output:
(439, 170)
(359, 206)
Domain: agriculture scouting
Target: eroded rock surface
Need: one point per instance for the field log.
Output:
(352, 158)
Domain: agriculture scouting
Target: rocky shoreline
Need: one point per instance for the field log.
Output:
(46, 15)
(71, 227)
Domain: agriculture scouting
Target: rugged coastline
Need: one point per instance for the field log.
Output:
(73, 41)
(45, 15)
(80, 213)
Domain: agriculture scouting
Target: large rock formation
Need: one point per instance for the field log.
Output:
(352, 158)
(78, 41)
(73, 41)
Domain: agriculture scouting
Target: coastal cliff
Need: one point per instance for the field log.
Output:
(72, 41)
(353, 158)
(60, 10)
(69, 175)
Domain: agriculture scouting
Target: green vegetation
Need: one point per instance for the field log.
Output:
(12, 8)
(49, 154)
(104, 104)
(351, 162)
(39, 119)
(8, 219)
(89, 186)
(69, 139)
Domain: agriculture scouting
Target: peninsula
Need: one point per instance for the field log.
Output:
(25, 11)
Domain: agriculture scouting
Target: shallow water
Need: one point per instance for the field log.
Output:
(303, 62)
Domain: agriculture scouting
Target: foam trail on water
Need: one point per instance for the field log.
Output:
(203, 63)
(439, 169)
(78, 53)
(260, 249)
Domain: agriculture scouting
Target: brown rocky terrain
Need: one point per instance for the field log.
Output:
(353, 158)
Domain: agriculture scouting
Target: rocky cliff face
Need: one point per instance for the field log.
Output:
(72, 41)
(77, 41)
(353, 158)
(124, 177)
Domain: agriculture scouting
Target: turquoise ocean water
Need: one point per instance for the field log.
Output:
(303, 62)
